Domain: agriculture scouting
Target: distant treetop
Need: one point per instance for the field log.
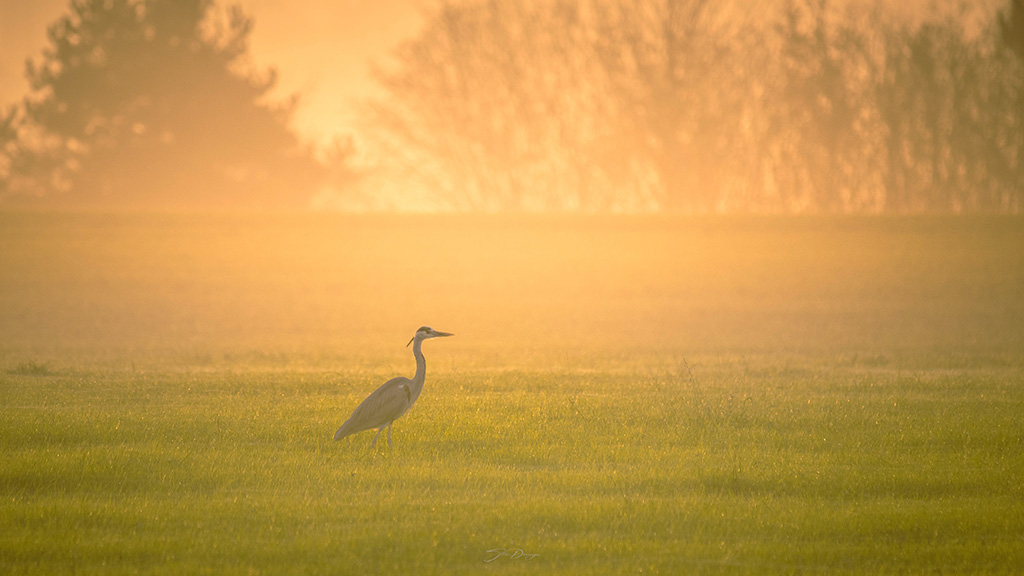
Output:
(152, 103)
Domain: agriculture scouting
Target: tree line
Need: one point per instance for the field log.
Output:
(676, 106)
(700, 106)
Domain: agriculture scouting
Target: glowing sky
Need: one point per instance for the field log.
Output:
(321, 50)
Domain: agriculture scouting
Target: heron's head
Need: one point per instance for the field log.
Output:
(426, 332)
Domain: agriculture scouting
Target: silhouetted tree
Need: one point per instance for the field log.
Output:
(1011, 166)
(816, 110)
(565, 104)
(149, 102)
(950, 127)
(696, 106)
(496, 106)
(1011, 27)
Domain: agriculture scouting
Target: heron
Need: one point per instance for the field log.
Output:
(394, 398)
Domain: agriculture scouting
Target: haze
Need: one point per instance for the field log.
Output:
(321, 51)
(593, 106)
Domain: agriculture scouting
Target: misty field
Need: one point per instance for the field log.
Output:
(623, 395)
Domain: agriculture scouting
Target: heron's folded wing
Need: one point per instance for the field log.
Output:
(385, 404)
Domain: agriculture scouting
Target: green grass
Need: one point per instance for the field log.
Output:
(865, 472)
(695, 396)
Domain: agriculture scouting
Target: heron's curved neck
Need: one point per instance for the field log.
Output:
(421, 368)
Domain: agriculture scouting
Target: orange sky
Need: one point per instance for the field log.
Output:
(321, 49)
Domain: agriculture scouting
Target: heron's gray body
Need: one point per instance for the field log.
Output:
(393, 398)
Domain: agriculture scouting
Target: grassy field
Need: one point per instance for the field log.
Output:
(623, 395)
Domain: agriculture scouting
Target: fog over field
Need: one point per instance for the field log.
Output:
(723, 395)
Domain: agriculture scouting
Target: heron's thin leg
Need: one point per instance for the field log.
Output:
(374, 443)
(389, 435)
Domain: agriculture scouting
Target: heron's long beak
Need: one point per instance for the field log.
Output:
(434, 334)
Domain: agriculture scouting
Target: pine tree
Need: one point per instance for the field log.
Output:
(151, 103)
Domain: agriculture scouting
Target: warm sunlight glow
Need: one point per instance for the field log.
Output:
(324, 52)
(732, 286)
(589, 106)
